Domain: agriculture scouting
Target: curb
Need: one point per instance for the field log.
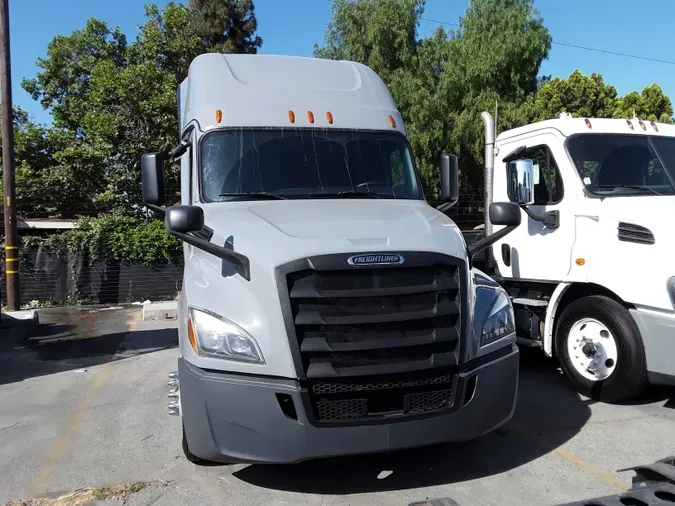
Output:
(160, 311)
(25, 318)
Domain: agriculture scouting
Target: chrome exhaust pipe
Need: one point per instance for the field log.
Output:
(173, 382)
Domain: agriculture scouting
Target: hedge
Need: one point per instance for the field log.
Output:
(113, 237)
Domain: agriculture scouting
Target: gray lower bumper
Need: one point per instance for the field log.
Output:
(658, 336)
(234, 417)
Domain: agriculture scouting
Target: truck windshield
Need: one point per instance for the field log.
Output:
(247, 164)
(620, 165)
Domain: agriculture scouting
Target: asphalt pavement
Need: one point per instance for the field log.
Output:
(83, 406)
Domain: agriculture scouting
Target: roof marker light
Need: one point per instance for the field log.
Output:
(391, 121)
(642, 125)
(630, 124)
(329, 117)
(291, 116)
(588, 122)
(310, 116)
(654, 126)
(219, 115)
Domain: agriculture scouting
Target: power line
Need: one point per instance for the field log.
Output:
(576, 46)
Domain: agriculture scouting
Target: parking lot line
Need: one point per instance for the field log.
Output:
(63, 441)
(591, 469)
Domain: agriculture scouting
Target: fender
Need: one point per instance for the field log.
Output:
(553, 304)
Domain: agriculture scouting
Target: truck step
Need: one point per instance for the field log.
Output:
(530, 343)
(529, 302)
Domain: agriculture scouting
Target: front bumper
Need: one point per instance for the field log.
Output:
(239, 418)
(658, 336)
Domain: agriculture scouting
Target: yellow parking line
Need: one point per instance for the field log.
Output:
(63, 442)
(591, 469)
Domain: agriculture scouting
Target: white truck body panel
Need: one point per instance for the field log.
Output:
(273, 233)
(259, 92)
(381, 359)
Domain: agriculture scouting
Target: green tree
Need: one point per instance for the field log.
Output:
(590, 96)
(651, 104)
(57, 174)
(440, 84)
(579, 95)
(114, 100)
(226, 26)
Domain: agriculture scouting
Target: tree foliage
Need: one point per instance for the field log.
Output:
(112, 100)
(590, 96)
(441, 83)
(113, 236)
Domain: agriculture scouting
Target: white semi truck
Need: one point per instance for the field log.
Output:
(591, 271)
(326, 308)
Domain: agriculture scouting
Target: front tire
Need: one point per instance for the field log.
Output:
(600, 349)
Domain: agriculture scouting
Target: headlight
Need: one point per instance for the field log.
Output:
(213, 336)
(493, 316)
(671, 290)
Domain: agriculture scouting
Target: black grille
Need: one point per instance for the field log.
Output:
(364, 335)
(635, 233)
(357, 399)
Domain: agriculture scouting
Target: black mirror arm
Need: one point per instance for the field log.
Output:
(161, 211)
(513, 154)
(240, 261)
(446, 205)
(180, 150)
(550, 220)
(488, 241)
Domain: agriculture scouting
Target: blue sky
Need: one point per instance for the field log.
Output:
(294, 26)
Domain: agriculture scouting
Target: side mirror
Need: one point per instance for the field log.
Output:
(184, 219)
(520, 174)
(505, 213)
(152, 178)
(449, 181)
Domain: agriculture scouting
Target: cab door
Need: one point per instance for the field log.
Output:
(534, 251)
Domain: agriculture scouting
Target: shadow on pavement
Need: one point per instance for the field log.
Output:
(76, 340)
(549, 413)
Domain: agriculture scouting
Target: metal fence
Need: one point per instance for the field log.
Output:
(48, 279)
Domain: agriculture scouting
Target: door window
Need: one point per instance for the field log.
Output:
(549, 188)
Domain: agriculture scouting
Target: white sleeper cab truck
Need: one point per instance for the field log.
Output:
(326, 308)
(591, 271)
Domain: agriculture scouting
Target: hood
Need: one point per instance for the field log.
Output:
(300, 228)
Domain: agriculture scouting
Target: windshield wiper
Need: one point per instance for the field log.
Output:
(350, 193)
(631, 186)
(255, 195)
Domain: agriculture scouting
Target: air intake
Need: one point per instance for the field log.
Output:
(635, 233)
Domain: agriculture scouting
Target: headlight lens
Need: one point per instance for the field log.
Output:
(493, 317)
(219, 337)
(671, 290)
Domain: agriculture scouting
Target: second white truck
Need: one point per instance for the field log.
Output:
(591, 270)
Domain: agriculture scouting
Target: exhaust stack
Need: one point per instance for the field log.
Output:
(488, 171)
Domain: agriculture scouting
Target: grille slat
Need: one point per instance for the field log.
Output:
(357, 316)
(376, 342)
(324, 344)
(309, 292)
(331, 370)
(628, 232)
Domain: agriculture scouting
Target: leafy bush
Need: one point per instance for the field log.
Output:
(114, 237)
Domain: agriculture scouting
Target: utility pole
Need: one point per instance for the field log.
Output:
(11, 240)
